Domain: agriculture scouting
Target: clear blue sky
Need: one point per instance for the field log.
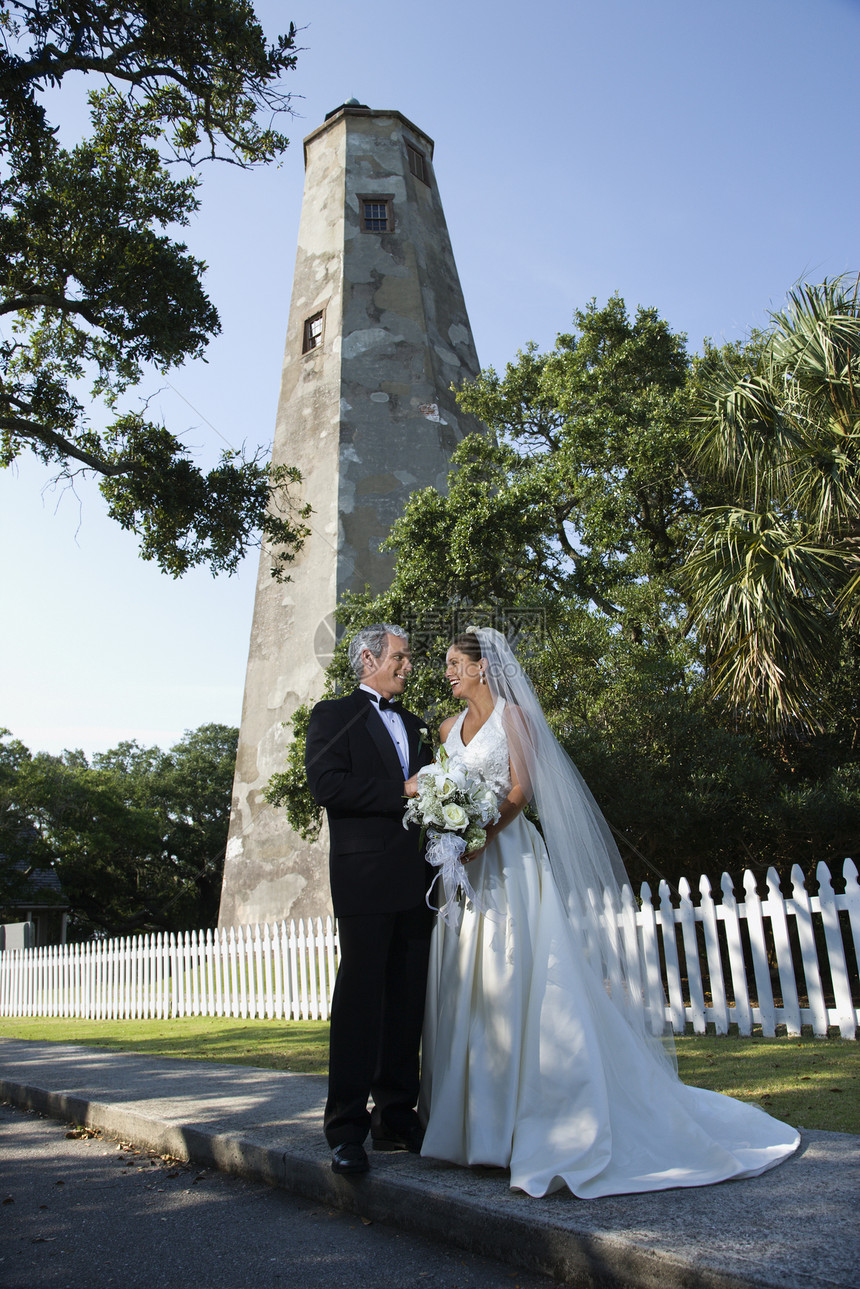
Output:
(697, 157)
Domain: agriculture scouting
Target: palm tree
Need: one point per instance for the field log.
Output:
(775, 577)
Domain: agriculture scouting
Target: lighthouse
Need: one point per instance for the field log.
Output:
(377, 335)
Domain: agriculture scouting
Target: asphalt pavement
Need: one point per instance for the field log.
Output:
(796, 1227)
(79, 1210)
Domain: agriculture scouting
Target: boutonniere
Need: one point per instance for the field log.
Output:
(422, 735)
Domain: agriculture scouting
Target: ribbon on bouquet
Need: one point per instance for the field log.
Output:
(443, 853)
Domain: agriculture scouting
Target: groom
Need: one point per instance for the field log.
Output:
(363, 752)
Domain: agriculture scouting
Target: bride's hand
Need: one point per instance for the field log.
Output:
(473, 854)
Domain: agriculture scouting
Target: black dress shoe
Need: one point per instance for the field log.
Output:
(351, 1157)
(403, 1139)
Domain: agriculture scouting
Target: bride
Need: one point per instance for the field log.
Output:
(544, 1047)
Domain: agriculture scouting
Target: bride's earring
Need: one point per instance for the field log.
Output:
(483, 680)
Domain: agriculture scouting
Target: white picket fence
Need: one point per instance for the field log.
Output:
(763, 962)
(273, 972)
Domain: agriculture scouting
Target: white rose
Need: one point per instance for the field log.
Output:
(454, 815)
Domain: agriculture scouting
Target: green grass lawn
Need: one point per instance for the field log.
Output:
(299, 1046)
(810, 1083)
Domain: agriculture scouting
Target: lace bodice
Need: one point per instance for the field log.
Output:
(487, 752)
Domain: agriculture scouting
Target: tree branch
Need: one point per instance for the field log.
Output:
(593, 594)
(47, 300)
(68, 447)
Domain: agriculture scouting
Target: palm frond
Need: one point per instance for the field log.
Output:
(762, 604)
(817, 341)
(770, 578)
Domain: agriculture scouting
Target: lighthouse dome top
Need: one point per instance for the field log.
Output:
(352, 103)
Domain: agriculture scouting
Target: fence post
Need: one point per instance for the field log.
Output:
(192, 981)
(246, 949)
(295, 983)
(183, 974)
(231, 986)
(845, 1016)
(630, 936)
(719, 1003)
(687, 918)
(208, 953)
(303, 969)
(758, 946)
(808, 952)
(99, 1001)
(176, 997)
(278, 960)
(779, 925)
(313, 994)
(259, 1000)
(147, 948)
(651, 958)
(670, 953)
(322, 974)
(268, 970)
(219, 962)
(731, 922)
(332, 944)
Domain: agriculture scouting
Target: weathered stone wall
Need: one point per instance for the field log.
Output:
(368, 417)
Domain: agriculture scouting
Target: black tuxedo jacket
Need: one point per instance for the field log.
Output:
(354, 772)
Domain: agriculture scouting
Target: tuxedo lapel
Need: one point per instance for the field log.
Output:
(413, 732)
(377, 731)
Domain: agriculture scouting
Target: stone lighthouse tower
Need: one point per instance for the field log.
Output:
(377, 334)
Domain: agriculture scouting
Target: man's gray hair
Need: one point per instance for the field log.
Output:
(372, 638)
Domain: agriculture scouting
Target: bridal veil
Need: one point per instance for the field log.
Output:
(586, 866)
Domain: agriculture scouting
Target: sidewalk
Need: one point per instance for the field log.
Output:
(795, 1227)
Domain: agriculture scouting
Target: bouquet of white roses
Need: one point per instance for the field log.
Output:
(454, 805)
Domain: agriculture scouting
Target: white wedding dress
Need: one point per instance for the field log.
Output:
(527, 1065)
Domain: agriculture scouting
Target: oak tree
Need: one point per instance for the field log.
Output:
(96, 292)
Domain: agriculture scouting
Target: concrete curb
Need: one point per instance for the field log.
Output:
(575, 1257)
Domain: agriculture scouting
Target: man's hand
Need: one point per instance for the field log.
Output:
(410, 787)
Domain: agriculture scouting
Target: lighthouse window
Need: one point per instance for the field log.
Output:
(417, 163)
(312, 333)
(376, 214)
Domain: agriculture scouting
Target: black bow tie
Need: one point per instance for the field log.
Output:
(385, 704)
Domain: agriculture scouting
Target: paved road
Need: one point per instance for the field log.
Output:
(83, 1211)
